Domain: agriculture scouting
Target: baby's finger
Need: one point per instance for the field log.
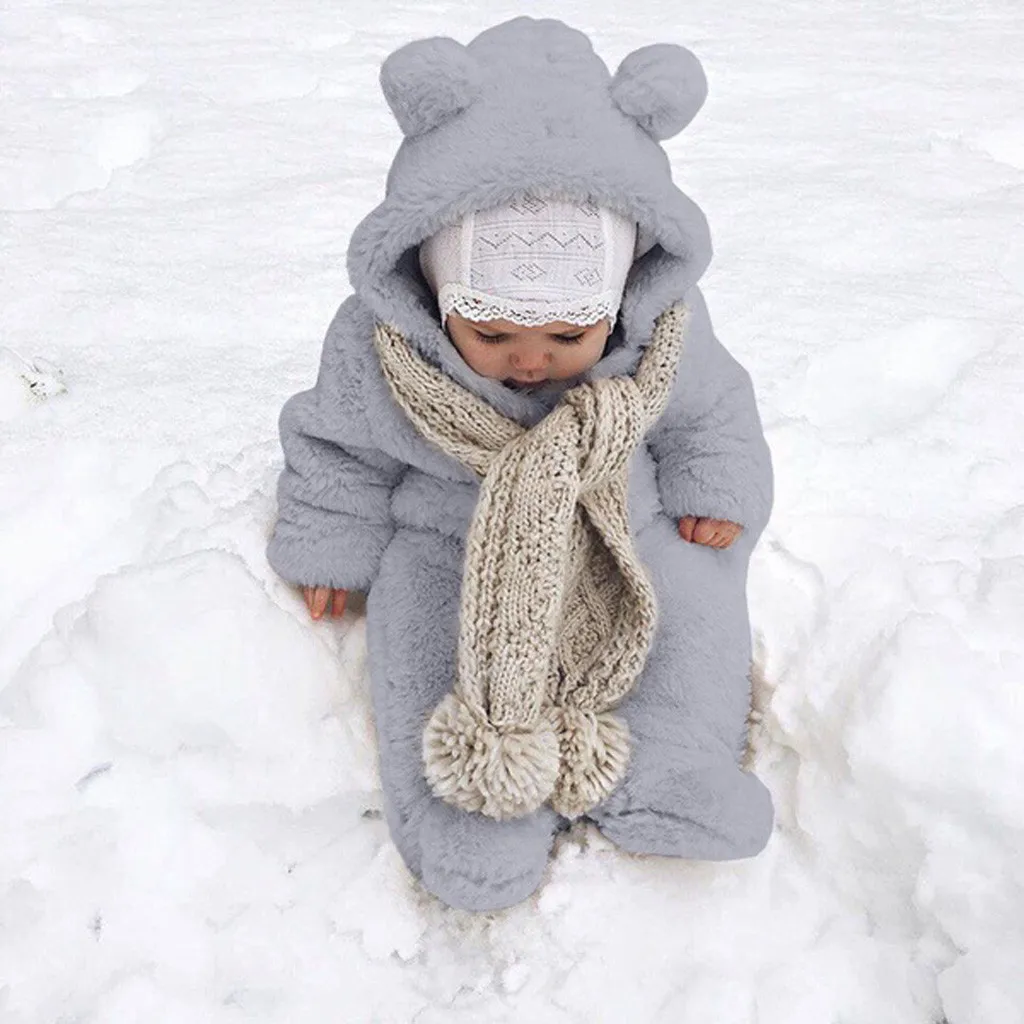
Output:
(686, 525)
(704, 532)
(730, 531)
(321, 595)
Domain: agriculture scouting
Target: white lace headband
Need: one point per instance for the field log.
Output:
(532, 261)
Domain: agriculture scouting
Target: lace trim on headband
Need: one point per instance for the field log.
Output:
(480, 306)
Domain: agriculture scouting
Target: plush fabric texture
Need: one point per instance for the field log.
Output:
(557, 613)
(365, 502)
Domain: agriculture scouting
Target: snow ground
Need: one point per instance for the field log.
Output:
(191, 826)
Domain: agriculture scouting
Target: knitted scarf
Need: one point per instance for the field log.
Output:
(557, 613)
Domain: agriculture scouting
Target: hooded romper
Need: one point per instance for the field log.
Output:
(365, 503)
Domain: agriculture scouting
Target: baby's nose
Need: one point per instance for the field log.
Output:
(529, 362)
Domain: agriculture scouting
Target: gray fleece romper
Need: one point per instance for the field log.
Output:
(367, 504)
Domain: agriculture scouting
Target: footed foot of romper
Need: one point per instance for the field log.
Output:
(473, 862)
(702, 813)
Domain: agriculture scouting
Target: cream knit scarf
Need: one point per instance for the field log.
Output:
(557, 612)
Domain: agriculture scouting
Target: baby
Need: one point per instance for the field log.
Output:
(530, 451)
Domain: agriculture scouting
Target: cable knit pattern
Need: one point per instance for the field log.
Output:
(557, 612)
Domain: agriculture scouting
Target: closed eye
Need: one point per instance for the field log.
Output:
(496, 338)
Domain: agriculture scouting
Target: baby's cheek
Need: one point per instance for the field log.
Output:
(485, 363)
(493, 364)
(578, 362)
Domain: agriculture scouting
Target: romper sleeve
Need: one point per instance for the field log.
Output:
(709, 446)
(334, 493)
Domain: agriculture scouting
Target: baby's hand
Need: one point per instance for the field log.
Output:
(318, 599)
(716, 533)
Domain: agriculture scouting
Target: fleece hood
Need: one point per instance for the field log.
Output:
(528, 106)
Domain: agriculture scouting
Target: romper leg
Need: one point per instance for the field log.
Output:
(466, 859)
(684, 793)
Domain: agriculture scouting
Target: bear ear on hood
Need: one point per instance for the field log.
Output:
(661, 86)
(428, 81)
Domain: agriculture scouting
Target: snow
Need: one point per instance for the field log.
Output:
(191, 812)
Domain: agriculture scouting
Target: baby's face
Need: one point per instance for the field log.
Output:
(528, 355)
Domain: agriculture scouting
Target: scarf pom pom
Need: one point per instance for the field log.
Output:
(595, 748)
(475, 766)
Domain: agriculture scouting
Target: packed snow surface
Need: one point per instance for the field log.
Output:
(191, 824)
